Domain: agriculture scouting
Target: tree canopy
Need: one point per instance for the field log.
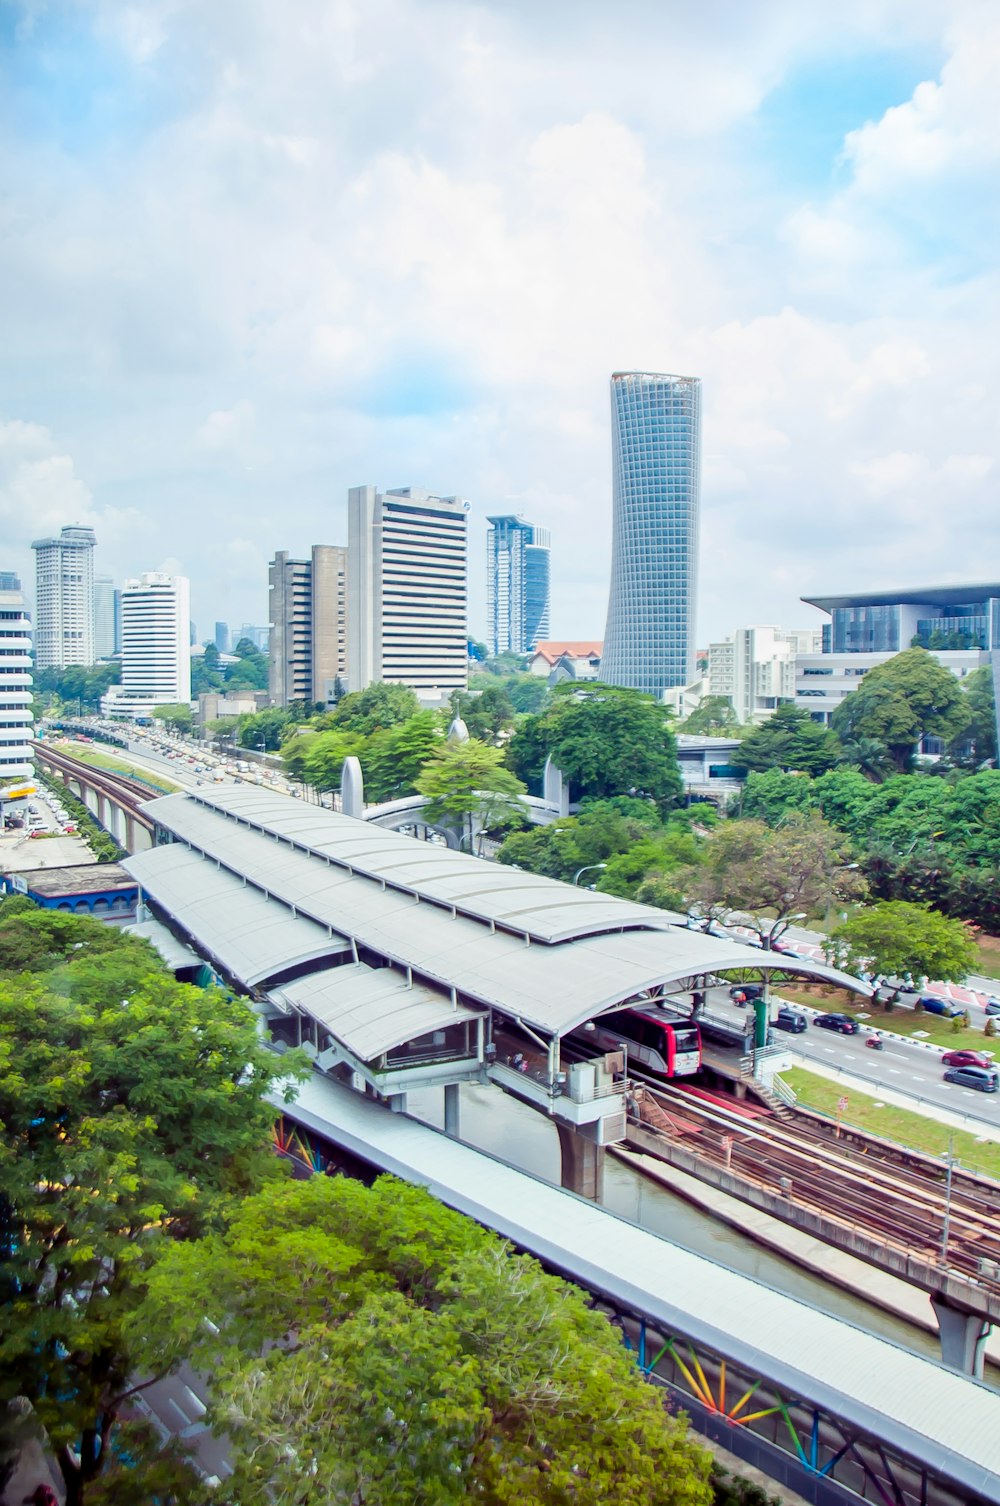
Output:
(369, 1345)
(908, 697)
(771, 874)
(789, 739)
(468, 787)
(607, 741)
(897, 939)
(130, 1106)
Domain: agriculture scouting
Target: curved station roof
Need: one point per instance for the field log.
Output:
(264, 883)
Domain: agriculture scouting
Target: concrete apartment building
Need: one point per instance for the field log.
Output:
(64, 599)
(107, 618)
(307, 644)
(959, 625)
(518, 582)
(407, 590)
(16, 720)
(156, 652)
(754, 668)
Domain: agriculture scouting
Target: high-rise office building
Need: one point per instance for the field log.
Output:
(307, 651)
(407, 589)
(656, 441)
(156, 651)
(222, 639)
(16, 720)
(64, 599)
(105, 641)
(517, 585)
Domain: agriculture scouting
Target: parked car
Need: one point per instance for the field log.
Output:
(743, 993)
(834, 1021)
(983, 1079)
(992, 1005)
(967, 1059)
(933, 1005)
(789, 1019)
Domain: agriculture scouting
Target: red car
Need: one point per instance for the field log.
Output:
(967, 1059)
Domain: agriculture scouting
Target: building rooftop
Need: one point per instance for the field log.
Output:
(87, 878)
(536, 949)
(554, 651)
(932, 596)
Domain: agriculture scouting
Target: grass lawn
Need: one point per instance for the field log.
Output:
(99, 760)
(988, 948)
(902, 1021)
(902, 1125)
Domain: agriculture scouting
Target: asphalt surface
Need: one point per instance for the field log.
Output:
(910, 1068)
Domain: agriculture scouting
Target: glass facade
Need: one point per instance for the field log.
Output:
(517, 585)
(649, 643)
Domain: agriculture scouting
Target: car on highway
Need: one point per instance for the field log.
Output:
(992, 1005)
(789, 1019)
(845, 1023)
(966, 1058)
(932, 1004)
(983, 1079)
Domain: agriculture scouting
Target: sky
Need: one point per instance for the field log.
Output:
(252, 254)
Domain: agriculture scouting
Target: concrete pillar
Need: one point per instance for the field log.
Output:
(452, 1110)
(963, 1337)
(582, 1163)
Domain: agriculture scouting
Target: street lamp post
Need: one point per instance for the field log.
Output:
(590, 868)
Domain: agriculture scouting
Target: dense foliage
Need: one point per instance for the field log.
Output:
(909, 697)
(897, 939)
(369, 1345)
(130, 1109)
(248, 673)
(77, 688)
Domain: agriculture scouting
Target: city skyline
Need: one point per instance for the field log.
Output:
(797, 205)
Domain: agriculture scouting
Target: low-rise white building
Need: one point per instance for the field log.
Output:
(754, 668)
(156, 651)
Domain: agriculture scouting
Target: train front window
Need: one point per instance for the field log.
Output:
(685, 1040)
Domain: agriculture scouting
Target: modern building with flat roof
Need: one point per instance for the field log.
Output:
(16, 719)
(107, 621)
(959, 625)
(407, 589)
(307, 647)
(64, 599)
(754, 668)
(518, 557)
(156, 654)
(649, 643)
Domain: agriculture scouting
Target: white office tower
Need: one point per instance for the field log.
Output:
(64, 599)
(156, 652)
(407, 590)
(105, 644)
(16, 720)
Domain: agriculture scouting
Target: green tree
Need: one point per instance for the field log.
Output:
(77, 687)
(392, 759)
(130, 1105)
(488, 714)
(177, 715)
(770, 874)
(789, 739)
(869, 756)
(896, 938)
(714, 714)
(606, 741)
(264, 728)
(468, 787)
(375, 708)
(908, 697)
(371, 1345)
(976, 744)
(325, 754)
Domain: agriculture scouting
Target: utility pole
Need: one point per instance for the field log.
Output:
(946, 1226)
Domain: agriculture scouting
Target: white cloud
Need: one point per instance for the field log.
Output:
(408, 241)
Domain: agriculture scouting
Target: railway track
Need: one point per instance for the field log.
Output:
(902, 1207)
(130, 793)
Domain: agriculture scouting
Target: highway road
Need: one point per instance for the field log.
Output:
(912, 1069)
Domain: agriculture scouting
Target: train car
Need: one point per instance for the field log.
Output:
(659, 1043)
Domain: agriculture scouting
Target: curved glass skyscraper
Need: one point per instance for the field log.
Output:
(656, 444)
